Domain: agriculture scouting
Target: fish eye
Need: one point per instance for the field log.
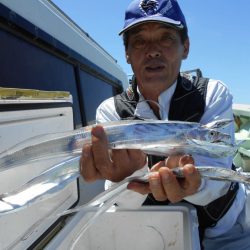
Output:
(212, 133)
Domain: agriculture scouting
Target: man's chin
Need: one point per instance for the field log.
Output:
(155, 80)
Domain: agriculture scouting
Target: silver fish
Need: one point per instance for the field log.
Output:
(55, 179)
(219, 174)
(121, 134)
(49, 182)
(208, 172)
(218, 124)
(41, 187)
(214, 150)
(108, 197)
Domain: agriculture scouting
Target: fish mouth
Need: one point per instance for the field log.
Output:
(217, 141)
(220, 141)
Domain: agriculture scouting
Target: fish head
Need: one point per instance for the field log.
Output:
(215, 136)
(209, 135)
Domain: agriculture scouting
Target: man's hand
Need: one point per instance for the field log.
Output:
(98, 162)
(164, 185)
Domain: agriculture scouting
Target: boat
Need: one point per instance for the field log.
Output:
(53, 76)
(242, 136)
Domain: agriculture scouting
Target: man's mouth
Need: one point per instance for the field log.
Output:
(155, 68)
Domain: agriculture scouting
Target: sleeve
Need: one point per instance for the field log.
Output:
(218, 106)
(106, 111)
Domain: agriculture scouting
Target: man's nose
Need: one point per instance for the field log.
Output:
(153, 50)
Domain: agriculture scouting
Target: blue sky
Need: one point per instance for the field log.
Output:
(219, 32)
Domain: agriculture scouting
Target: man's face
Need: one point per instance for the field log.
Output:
(155, 52)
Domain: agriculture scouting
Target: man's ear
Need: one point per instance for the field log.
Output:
(127, 58)
(186, 49)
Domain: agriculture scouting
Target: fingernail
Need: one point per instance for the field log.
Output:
(186, 157)
(190, 170)
(154, 179)
(97, 131)
(165, 176)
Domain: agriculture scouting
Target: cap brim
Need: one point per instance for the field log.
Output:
(159, 19)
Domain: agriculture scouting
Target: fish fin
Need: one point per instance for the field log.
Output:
(218, 124)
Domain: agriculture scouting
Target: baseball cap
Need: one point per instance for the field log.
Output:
(163, 11)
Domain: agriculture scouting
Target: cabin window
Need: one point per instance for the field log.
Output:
(93, 91)
(26, 65)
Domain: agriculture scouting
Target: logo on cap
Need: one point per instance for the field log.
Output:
(149, 7)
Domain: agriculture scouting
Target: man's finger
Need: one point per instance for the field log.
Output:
(157, 166)
(142, 188)
(100, 151)
(172, 161)
(186, 159)
(192, 179)
(156, 187)
(139, 158)
(171, 186)
(126, 168)
(87, 167)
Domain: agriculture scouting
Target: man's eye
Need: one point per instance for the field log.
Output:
(138, 43)
(167, 40)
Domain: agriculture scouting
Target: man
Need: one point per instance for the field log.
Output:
(156, 41)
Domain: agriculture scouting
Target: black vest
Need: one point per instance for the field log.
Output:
(187, 104)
